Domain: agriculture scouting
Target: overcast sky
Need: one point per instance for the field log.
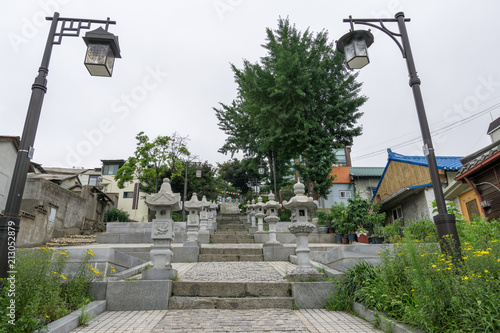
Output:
(176, 68)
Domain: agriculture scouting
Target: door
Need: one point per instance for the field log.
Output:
(470, 205)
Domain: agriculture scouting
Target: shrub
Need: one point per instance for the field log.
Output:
(116, 214)
(417, 284)
(44, 292)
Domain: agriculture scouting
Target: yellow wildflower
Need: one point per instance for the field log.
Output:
(465, 278)
(486, 271)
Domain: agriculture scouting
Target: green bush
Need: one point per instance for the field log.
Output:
(116, 214)
(419, 285)
(423, 230)
(43, 292)
(177, 216)
(285, 215)
(325, 217)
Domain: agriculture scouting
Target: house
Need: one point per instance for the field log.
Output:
(365, 180)
(479, 176)
(405, 188)
(9, 145)
(132, 198)
(349, 181)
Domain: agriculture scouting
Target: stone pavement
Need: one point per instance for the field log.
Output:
(263, 320)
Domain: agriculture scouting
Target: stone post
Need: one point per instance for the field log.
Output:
(252, 213)
(248, 210)
(260, 214)
(212, 217)
(193, 206)
(204, 234)
(162, 233)
(300, 204)
(272, 218)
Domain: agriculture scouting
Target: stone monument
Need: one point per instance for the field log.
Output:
(300, 204)
(193, 206)
(163, 204)
(260, 214)
(272, 218)
(204, 233)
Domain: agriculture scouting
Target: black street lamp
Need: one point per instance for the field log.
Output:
(9, 224)
(199, 170)
(354, 45)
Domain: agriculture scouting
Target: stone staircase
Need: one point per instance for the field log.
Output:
(232, 253)
(231, 231)
(230, 295)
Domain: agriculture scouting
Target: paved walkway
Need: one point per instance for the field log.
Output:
(265, 320)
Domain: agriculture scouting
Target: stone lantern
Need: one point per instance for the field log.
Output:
(163, 204)
(301, 204)
(260, 214)
(204, 234)
(212, 217)
(193, 206)
(252, 213)
(272, 218)
(248, 209)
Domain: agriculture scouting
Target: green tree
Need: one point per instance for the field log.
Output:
(152, 160)
(299, 102)
(240, 173)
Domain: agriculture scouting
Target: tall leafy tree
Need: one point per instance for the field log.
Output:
(152, 160)
(298, 102)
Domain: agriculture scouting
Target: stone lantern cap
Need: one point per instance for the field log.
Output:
(259, 204)
(271, 203)
(193, 204)
(205, 203)
(213, 205)
(164, 198)
(300, 200)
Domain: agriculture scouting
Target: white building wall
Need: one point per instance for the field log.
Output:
(110, 186)
(8, 157)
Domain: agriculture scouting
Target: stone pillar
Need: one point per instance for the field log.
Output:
(272, 218)
(260, 214)
(248, 209)
(204, 234)
(300, 204)
(252, 213)
(193, 206)
(162, 233)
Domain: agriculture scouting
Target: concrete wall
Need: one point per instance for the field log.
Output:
(363, 186)
(8, 155)
(417, 206)
(51, 212)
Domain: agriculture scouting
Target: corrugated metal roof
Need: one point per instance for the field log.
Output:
(367, 171)
(451, 163)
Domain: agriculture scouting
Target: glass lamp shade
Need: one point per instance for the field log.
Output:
(99, 60)
(355, 45)
(198, 171)
(102, 49)
(261, 169)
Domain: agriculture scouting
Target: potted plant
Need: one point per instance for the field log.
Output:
(362, 235)
(339, 214)
(322, 221)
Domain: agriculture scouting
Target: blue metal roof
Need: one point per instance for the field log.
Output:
(451, 163)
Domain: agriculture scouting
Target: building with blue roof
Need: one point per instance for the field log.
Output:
(405, 188)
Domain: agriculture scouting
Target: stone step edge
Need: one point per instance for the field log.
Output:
(231, 289)
(183, 302)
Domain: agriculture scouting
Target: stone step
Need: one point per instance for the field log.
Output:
(231, 226)
(231, 232)
(234, 241)
(229, 257)
(245, 303)
(216, 237)
(233, 250)
(231, 289)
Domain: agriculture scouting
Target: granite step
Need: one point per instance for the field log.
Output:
(231, 289)
(229, 257)
(232, 303)
(230, 295)
(232, 250)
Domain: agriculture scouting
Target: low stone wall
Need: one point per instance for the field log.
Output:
(136, 232)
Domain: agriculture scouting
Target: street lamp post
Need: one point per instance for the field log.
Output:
(354, 45)
(199, 170)
(95, 61)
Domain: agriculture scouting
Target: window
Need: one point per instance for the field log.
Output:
(345, 194)
(397, 214)
(373, 190)
(110, 169)
(95, 180)
(128, 195)
(341, 157)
